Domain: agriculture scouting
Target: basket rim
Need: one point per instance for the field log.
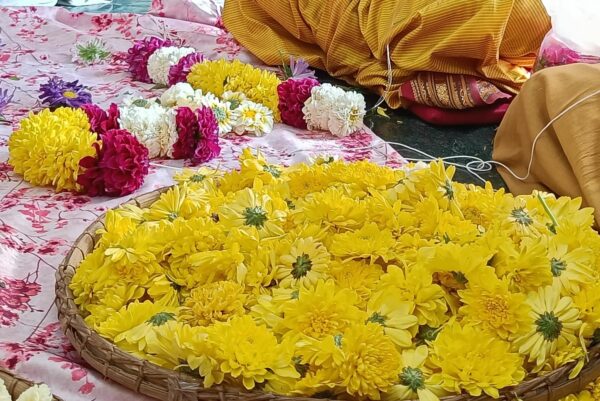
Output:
(16, 384)
(162, 383)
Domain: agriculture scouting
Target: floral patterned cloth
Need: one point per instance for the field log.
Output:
(37, 226)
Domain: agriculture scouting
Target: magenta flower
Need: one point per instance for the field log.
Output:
(58, 93)
(208, 144)
(293, 93)
(119, 168)
(179, 72)
(140, 52)
(96, 116)
(187, 130)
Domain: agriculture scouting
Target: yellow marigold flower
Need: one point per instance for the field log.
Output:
(252, 210)
(395, 316)
(369, 242)
(48, 146)
(356, 275)
(475, 361)
(414, 379)
(220, 76)
(525, 266)
(416, 286)
(371, 362)
(251, 352)
(334, 208)
(302, 263)
(488, 302)
(214, 302)
(319, 311)
(553, 320)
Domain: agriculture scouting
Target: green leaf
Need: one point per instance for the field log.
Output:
(140, 102)
(14, 78)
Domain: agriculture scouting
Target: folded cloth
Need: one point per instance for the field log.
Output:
(567, 156)
(79, 3)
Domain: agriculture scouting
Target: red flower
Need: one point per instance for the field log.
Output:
(119, 169)
(208, 146)
(293, 93)
(112, 119)
(187, 129)
(140, 52)
(179, 72)
(95, 114)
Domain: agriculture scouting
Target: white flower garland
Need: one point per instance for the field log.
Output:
(253, 118)
(39, 392)
(148, 122)
(160, 62)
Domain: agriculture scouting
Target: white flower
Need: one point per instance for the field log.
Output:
(234, 98)
(168, 133)
(147, 124)
(161, 61)
(4, 395)
(39, 392)
(318, 106)
(253, 118)
(346, 114)
(177, 93)
(193, 102)
(225, 116)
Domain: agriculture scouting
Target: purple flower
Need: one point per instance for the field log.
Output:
(179, 72)
(298, 68)
(5, 99)
(58, 93)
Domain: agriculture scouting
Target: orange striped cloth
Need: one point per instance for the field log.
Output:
(492, 40)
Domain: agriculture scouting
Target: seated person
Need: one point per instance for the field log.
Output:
(453, 61)
(566, 159)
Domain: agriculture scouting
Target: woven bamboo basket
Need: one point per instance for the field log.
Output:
(151, 380)
(16, 385)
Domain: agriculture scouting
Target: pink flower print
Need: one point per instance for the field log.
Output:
(51, 247)
(15, 296)
(102, 21)
(359, 140)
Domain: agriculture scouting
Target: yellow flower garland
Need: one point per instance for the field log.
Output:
(347, 278)
(48, 146)
(222, 76)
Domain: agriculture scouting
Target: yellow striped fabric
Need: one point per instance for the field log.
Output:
(491, 39)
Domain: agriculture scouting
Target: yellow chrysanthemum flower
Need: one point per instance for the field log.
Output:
(414, 379)
(553, 320)
(174, 204)
(363, 176)
(221, 76)
(163, 291)
(487, 301)
(571, 269)
(371, 362)
(482, 206)
(565, 354)
(304, 180)
(369, 242)
(303, 263)
(319, 311)
(394, 315)
(358, 276)
(109, 300)
(252, 210)
(334, 208)
(251, 353)
(208, 267)
(48, 146)
(470, 359)
(587, 301)
(416, 286)
(214, 302)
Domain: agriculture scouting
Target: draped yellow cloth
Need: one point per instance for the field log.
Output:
(491, 39)
(567, 156)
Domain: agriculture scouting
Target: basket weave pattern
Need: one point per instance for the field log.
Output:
(16, 385)
(151, 380)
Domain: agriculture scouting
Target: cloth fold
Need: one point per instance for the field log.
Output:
(567, 155)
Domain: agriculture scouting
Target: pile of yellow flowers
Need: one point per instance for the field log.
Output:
(347, 278)
(222, 76)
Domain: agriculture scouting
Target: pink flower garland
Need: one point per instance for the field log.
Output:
(208, 144)
(119, 168)
(100, 120)
(179, 72)
(293, 93)
(140, 52)
(187, 131)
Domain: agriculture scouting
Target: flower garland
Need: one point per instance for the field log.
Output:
(299, 100)
(58, 148)
(38, 392)
(347, 279)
